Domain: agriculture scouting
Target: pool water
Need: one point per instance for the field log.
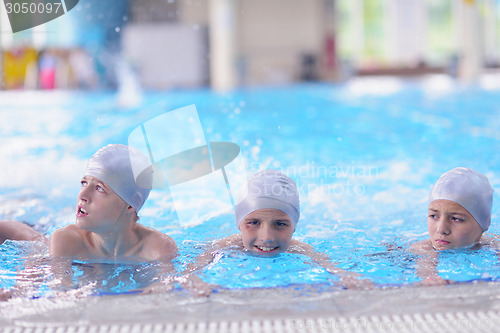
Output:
(364, 156)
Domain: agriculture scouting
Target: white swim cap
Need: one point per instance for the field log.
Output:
(468, 188)
(126, 170)
(268, 189)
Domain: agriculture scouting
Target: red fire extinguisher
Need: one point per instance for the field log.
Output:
(330, 52)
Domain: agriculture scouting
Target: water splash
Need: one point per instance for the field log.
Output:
(129, 90)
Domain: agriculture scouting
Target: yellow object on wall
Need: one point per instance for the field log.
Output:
(14, 66)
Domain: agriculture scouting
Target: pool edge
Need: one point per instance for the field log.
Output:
(292, 308)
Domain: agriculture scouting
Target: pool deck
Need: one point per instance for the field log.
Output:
(449, 308)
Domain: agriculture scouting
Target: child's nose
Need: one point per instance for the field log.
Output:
(443, 227)
(84, 194)
(266, 233)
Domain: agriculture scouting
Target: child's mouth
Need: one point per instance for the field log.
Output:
(266, 248)
(81, 212)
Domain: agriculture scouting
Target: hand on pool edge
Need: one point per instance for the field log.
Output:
(435, 280)
(196, 285)
(160, 286)
(6, 294)
(191, 282)
(355, 281)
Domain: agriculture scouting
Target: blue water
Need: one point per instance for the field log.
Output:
(364, 156)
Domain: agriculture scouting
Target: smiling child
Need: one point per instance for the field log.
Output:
(267, 214)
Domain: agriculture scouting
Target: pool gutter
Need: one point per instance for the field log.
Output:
(414, 309)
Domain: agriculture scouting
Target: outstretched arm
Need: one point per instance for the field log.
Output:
(16, 230)
(349, 279)
(207, 256)
(189, 279)
(427, 264)
(492, 240)
(33, 273)
(19, 231)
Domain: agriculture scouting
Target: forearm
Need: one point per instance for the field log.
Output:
(214, 249)
(16, 230)
(201, 262)
(426, 267)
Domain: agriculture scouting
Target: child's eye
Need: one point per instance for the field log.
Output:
(100, 188)
(433, 216)
(84, 183)
(252, 222)
(457, 219)
(281, 223)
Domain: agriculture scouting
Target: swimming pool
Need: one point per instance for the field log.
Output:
(364, 156)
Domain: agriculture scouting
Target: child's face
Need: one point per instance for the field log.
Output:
(451, 226)
(99, 207)
(266, 232)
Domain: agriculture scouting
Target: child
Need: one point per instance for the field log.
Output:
(459, 212)
(106, 224)
(106, 217)
(267, 216)
(19, 231)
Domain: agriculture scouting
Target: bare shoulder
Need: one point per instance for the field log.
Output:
(423, 247)
(299, 247)
(67, 241)
(220, 244)
(156, 244)
(233, 240)
(492, 240)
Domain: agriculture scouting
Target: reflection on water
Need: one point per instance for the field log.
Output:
(114, 277)
(364, 161)
(30, 272)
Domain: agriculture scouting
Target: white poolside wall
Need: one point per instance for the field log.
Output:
(166, 55)
(271, 38)
(275, 34)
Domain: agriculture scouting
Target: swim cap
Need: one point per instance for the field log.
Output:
(126, 170)
(268, 189)
(468, 188)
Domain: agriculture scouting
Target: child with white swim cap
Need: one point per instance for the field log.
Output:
(116, 183)
(459, 213)
(267, 213)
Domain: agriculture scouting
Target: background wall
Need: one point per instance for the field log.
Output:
(270, 42)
